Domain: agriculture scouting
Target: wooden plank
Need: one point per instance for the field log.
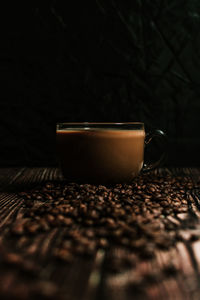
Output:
(36, 250)
(8, 175)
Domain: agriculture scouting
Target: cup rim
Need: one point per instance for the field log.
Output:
(99, 123)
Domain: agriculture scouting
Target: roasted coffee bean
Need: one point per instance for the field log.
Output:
(110, 223)
(118, 233)
(32, 227)
(19, 227)
(67, 221)
(103, 243)
(50, 218)
(63, 254)
(44, 226)
(139, 243)
(94, 214)
(13, 259)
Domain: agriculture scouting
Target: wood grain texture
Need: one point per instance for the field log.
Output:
(26, 268)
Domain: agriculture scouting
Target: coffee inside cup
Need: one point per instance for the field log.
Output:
(100, 155)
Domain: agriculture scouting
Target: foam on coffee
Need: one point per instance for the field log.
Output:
(100, 155)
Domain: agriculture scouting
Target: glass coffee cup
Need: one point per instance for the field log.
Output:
(103, 152)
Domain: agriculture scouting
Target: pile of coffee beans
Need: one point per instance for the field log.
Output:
(140, 216)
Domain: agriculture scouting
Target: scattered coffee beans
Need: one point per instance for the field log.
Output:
(138, 216)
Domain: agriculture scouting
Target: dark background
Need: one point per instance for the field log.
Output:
(100, 61)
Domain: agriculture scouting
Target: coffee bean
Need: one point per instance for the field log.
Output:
(111, 223)
(18, 227)
(50, 218)
(94, 214)
(103, 243)
(152, 189)
(139, 243)
(60, 218)
(63, 254)
(32, 227)
(44, 225)
(164, 203)
(67, 221)
(13, 258)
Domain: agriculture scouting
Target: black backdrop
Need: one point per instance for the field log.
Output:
(107, 61)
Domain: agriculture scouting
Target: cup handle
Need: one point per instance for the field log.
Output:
(149, 136)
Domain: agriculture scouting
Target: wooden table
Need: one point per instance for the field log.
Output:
(25, 267)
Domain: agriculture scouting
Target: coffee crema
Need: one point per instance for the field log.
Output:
(100, 155)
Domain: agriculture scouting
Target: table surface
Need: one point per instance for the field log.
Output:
(27, 270)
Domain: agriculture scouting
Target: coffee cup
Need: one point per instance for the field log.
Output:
(103, 152)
